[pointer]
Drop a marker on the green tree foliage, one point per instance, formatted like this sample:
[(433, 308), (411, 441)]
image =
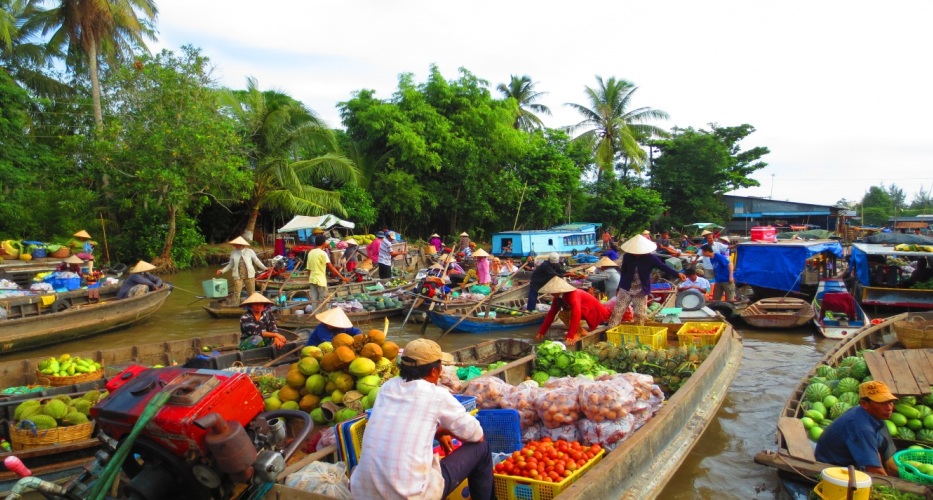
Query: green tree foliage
[(697, 167), (615, 130), (170, 148), (360, 206), (922, 201), (521, 90), (279, 135), (624, 205)]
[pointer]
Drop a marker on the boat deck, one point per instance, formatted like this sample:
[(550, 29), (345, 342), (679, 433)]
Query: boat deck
[(908, 372)]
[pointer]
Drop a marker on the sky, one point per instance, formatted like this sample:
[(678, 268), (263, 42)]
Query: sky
[(839, 91)]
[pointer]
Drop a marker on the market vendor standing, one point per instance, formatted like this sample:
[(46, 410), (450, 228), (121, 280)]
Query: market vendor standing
[(611, 270), (257, 324), (541, 276), (859, 437), (242, 262), (635, 282), (139, 281), (397, 459), (332, 322), (318, 264), (436, 242), (465, 245), (482, 267), (348, 259), (372, 250), (722, 270), (386, 255), (573, 305)]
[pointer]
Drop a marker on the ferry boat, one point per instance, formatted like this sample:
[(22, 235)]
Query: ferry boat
[(564, 239)]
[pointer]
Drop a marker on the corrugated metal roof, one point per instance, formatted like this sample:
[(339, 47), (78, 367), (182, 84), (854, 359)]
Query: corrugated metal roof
[(911, 225)]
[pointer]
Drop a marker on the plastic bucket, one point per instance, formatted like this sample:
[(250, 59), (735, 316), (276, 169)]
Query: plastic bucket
[(835, 484), (215, 288)]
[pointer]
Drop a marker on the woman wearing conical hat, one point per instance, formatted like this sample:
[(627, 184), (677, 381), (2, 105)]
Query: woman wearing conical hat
[(333, 321), (139, 281), (242, 262), (71, 264), (482, 267), (573, 305), (257, 324), (635, 284)]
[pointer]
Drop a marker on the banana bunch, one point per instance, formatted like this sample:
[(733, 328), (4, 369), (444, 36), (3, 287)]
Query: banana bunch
[(66, 366)]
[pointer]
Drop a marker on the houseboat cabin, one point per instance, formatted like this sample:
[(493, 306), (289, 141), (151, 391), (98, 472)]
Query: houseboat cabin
[(566, 238)]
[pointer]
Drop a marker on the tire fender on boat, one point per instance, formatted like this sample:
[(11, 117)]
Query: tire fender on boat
[(724, 308), (118, 269), (694, 298), (59, 306)]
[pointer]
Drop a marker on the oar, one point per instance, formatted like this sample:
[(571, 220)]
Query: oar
[(416, 303), (327, 299), (287, 354), (475, 307)]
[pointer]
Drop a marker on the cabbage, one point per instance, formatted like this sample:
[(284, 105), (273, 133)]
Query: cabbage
[(564, 360), (847, 384), (540, 378), (816, 392)]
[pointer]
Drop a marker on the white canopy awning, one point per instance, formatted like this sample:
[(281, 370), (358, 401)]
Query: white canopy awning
[(304, 222)]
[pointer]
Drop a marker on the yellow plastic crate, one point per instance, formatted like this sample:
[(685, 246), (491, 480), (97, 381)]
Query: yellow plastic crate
[(654, 336), (700, 339), (521, 488)]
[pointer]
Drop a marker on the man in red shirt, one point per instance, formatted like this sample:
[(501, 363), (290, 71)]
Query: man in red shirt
[(578, 304)]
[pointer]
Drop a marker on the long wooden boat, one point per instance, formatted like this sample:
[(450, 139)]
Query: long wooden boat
[(496, 315), (222, 309), (32, 323), (830, 323), (795, 455), (293, 316), (883, 285), (780, 312)]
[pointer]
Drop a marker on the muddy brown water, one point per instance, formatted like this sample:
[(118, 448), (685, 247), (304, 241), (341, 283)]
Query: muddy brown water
[(720, 466)]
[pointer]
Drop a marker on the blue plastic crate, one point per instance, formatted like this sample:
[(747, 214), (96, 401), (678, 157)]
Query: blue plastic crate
[(72, 283), (468, 402), (502, 429)]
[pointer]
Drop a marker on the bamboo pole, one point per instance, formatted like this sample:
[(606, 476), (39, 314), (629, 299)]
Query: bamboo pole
[(104, 231)]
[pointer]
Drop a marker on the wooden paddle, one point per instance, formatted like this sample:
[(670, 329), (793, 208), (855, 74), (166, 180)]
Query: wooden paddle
[(287, 354), (477, 306), (415, 304)]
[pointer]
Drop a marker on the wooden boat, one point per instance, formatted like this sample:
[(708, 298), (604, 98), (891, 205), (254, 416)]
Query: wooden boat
[(222, 309), (495, 315), (880, 284), (794, 455), (293, 317), (32, 323), (783, 312), (841, 318), (774, 269)]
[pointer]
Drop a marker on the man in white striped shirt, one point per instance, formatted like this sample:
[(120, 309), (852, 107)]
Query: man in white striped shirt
[(397, 459)]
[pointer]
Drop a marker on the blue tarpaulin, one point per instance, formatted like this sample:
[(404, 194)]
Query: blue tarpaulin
[(859, 260), (778, 266)]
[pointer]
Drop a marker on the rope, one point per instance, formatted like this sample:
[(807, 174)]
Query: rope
[(110, 473)]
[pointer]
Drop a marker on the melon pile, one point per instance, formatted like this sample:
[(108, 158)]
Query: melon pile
[(346, 372)]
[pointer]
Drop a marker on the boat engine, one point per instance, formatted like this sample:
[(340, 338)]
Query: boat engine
[(208, 436)]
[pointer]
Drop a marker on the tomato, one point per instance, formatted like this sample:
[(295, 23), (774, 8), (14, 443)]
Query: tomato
[(559, 469), (596, 448), (547, 440)]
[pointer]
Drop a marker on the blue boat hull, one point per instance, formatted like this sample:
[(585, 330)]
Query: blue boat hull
[(483, 325)]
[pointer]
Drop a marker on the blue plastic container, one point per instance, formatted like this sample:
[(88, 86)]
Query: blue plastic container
[(502, 429), (72, 283)]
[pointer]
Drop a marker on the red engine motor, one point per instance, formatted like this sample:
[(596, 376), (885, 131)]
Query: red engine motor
[(211, 432)]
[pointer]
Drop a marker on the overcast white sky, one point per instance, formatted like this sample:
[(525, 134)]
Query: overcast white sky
[(840, 91)]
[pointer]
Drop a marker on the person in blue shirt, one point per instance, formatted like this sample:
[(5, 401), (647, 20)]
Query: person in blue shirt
[(722, 270), (333, 321), (612, 253), (859, 436)]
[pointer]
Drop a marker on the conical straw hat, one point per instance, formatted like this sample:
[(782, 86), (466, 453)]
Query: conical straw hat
[(74, 259), (464, 234), (141, 267), (606, 262), (82, 234), (239, 241), (480, 253), (353, 242), (557, 285), (638, 245), (434, 235), (256, 298), (334, 317)]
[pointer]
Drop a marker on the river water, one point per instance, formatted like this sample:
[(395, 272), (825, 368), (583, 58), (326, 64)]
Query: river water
[(720, 466)]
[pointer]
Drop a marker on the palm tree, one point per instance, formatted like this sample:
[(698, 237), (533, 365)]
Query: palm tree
[(614, 129), (278, 132), (86, 30), (522, 90), (20, 55)]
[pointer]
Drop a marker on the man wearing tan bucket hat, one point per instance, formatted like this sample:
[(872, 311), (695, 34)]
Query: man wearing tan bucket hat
[(242, 262), (574, 305), (859, 437)]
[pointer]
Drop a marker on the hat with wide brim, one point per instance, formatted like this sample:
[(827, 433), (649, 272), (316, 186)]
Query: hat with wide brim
[(82, 234), (726, 239), (557, 285), (141, 267), (256, 298), (464, 234), (638, 245), (646, 233), (334, 317), (480, 253), (74, 259), (353, 242), (420, 352), (380, 234), (705, 232), (434, 235), (606, 262), (445, 257), (238, 241)]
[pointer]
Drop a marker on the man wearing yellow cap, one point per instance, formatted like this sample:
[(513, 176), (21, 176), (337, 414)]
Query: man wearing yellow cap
[(397, 458), (860, 437)]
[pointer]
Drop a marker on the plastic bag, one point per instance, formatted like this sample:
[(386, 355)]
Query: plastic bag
[(559, 406), (523, 400), (489, 392), (533, 433), (468, 373), (322, 478), (450, 380), (606, 399), (608, 433), (640, 382), (566, 432), (328, 438)]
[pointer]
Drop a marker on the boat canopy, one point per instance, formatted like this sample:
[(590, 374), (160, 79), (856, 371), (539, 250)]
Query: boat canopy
[(898, 238), (778, 265), (305, 223), (861, 251)]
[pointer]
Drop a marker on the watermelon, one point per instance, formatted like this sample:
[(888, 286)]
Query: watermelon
[(847, 384), (824, 370), (925, 435), (843, 372), (818, 380), (838, 409), (928, 400), (925, 411), (829, 401), (850, 361), (908, 400), (868, 378), (859, 369), (850, 398), (906, 433), (819, 407), (816, 392), (892, 429)]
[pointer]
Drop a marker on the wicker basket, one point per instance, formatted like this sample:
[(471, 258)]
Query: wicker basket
[(22, 439), (74, 379), (61, 253), (915, 333)]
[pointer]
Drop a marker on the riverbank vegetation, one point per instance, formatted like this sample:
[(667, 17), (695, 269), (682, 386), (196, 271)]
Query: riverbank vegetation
[(149, 151)]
